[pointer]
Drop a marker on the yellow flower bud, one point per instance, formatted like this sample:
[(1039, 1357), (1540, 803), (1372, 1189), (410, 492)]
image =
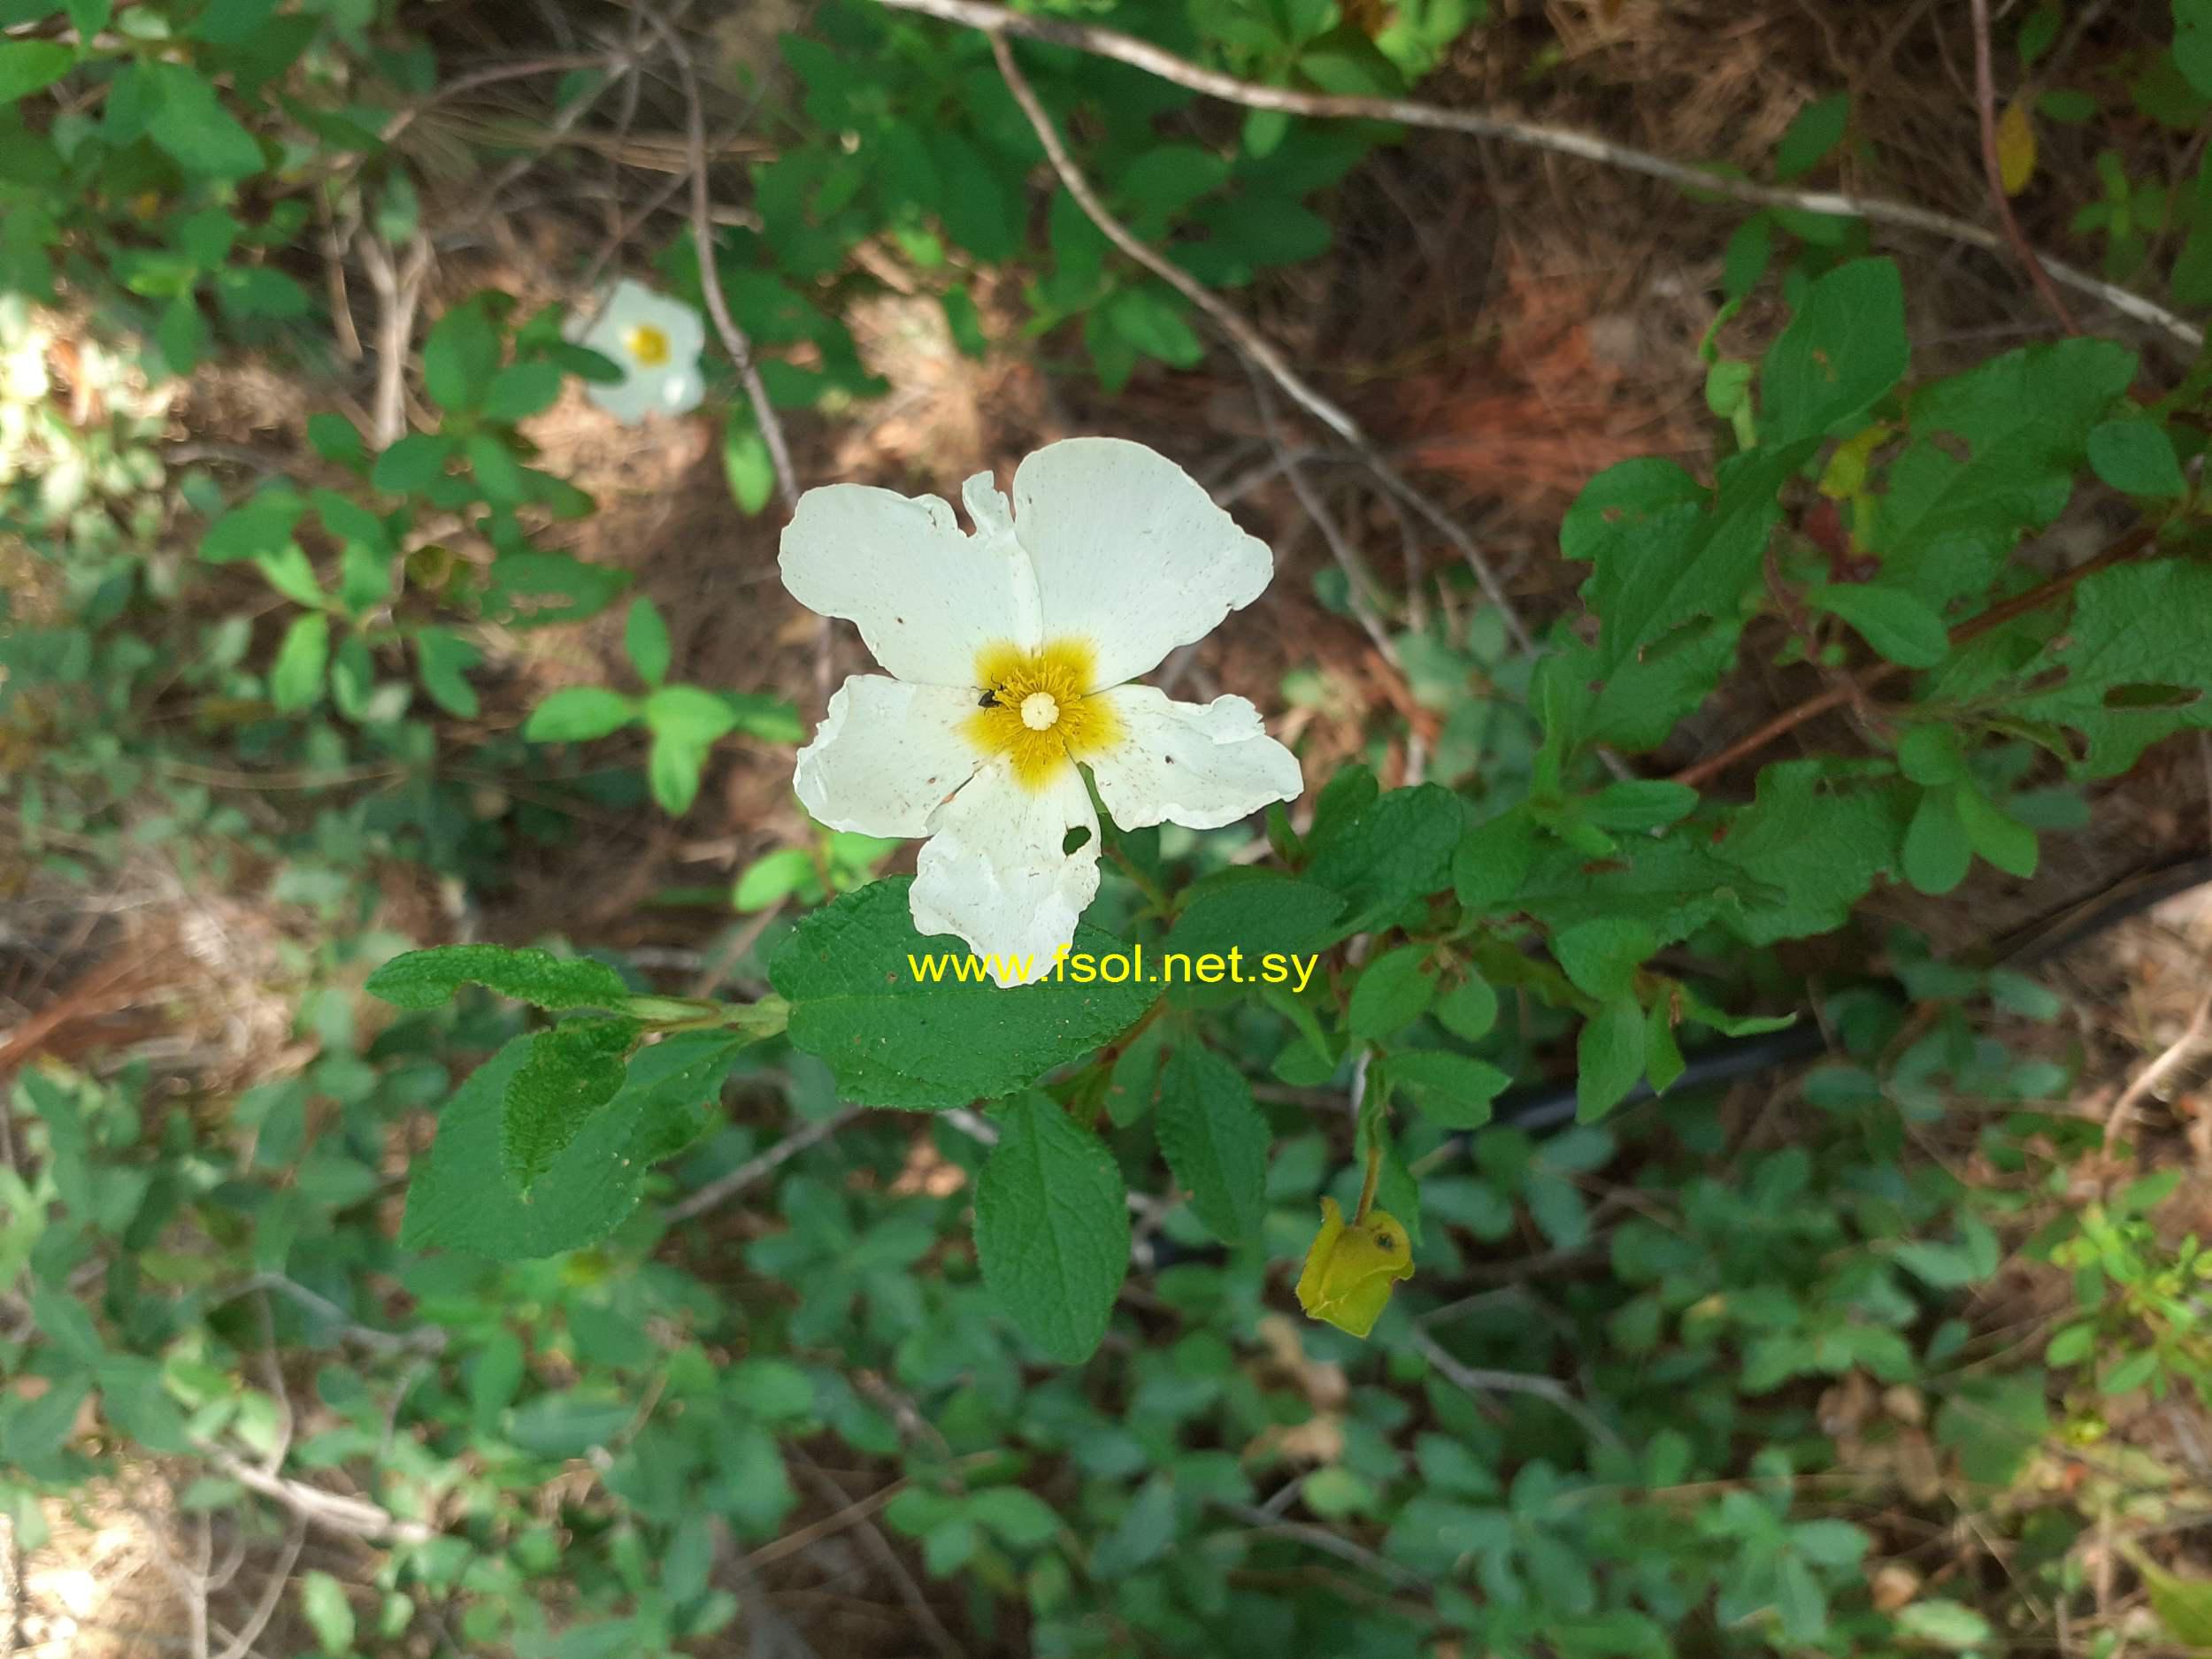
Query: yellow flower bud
[(1351, 1268)]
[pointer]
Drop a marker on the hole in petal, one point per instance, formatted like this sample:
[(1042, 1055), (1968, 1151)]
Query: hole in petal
[(1075, 840)]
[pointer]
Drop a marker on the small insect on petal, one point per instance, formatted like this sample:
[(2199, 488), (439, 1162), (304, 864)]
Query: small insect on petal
[(1352, 1269)]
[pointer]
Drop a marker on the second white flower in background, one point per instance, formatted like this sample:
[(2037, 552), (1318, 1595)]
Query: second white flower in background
[(655, 341), (1009, 652)]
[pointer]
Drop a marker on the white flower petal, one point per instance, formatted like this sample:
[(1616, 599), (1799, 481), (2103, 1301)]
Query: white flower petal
[(925, 595), (1201, 766), (887, 756), (629, 400), (993, 874), (679, 391), (1131, 553)]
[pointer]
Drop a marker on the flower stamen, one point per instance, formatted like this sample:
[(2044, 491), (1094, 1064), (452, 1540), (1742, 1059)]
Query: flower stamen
[(647, 344), (1037, 708)]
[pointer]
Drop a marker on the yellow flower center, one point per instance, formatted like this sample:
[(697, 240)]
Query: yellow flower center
[(1037, 707), (647, 344)]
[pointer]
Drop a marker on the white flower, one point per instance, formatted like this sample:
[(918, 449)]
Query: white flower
[(656, 342), (1008, 651)]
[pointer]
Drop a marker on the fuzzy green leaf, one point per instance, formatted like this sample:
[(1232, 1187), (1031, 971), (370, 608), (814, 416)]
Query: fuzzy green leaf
[(1452, 1089), (1843, 350), (1609, 1058), (1945, 526), (2135, 458), (574, 1069), (2133, 665), (425, 979), (295, 678), (459, 1198), (1052, 1227), (1900, 627), (1392, 991), (1215, 1140), (576, 714), (28, 66), (894, 1040)]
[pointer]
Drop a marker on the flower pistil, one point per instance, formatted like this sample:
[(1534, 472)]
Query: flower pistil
[(1037, 708)]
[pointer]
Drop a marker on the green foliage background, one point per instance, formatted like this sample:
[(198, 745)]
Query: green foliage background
[(570, 1417)]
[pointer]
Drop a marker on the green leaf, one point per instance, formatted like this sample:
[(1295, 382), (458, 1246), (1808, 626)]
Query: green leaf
[(1021, 1517), (1052, 1227), (498, 473), (689, 715), (1900, 627), (263, 524), (1945, 525), (1813, 843), (674, 768), (771, 880), (896, 1040), (1843, 350), (2192, 42), (979, 205), (1451, 1089), (1938, 852), (323, 1604), (425, 979), (1673, 561), (2137, 458), (1469, 1009), (1215, 1141), (28, 66), (1492, 859), (1818, 128), (1391, 992), (2183, 1606), (442, 660), (1383, 855), (459, 1198), (521, 389), (1609, 1058), (181, 334), (295, 678), (1151, 319), (572, 1071), (1940, 1623), (1257, 911), (337, 439), (2004, 842), (461, 356), (2132, 665), (413, 464), (962, 321), (254, 290), (750, 468), (645, 637), (576, 714), (187, 121)]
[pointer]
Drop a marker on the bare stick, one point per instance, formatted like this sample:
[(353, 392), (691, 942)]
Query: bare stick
[(1705, 771), (2183, 1049), (272, 1592), (1477, 1381), (997, 19), (1994, 170), (356, 1517), (754, 1171), (733, 340), (1246, 338), (398, 290)]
